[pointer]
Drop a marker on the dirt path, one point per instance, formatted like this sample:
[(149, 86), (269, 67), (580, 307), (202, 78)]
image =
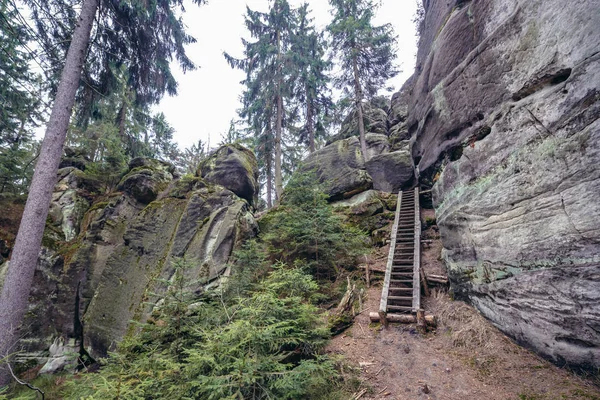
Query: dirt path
[(464, 358)]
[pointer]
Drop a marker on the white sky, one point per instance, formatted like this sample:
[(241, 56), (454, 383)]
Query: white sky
[(208, 96)]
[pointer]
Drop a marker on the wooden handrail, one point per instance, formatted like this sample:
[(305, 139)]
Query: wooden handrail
[(417, 256), (388, 270)]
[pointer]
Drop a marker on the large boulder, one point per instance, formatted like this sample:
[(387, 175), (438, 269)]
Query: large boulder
[(88, 290), (370, 211), (146, 179), (203, 229), (391, 171), (235, 168), (505, 120), (340, 166)]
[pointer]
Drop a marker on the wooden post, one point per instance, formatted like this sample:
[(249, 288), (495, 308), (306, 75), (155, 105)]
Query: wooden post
[(421, 324), (383, 319), (424, 281), (368, 272)]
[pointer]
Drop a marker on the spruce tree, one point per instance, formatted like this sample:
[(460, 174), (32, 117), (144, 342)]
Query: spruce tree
[(145, 35), (311, 86), (20, 104), (366, 53), (141, 36), (267, 64)]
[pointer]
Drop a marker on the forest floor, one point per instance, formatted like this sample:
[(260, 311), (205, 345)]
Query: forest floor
[(466, 357)]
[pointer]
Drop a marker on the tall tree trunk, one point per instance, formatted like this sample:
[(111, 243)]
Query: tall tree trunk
[(359, 110), (269, 167), (19, 277), (309, 122), (278, 129), (279, 126)]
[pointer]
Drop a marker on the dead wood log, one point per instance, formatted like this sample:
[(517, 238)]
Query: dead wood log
[(373, 268), (437, 279), (345, 312), (430, 320)]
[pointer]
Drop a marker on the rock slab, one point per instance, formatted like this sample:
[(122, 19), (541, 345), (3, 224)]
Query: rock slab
[(504, 118)]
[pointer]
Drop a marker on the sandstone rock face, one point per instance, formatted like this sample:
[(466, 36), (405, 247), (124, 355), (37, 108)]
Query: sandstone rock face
[(70, 200), (233, 167), (340, 166), (391, 171), (504, 117), (372, 211), (146, 179), (375, 118), (88, 288), (398, 117)]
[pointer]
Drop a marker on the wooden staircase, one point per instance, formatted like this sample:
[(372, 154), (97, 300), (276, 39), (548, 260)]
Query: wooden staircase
[(401, 291)]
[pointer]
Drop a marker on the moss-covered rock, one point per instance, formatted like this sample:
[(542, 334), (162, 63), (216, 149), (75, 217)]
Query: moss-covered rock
[(340, 166), (391, 172), (204, 228), (146, 179), (364, 204), (112, 257), (235, 168)]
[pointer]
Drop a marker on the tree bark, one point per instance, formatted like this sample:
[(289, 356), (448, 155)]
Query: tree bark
[(310, 125), (278, 129), (19, 277), (269, 181), (359, 110), (279, 126)]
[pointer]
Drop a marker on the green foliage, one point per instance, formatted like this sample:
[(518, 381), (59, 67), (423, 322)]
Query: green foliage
[(365, 52), (221, 346), (286, 100), (188, 160), (311, 80), (20, 104), (305, 229), (248, 266)]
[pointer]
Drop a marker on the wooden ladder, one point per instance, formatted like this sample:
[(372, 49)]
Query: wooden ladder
[(401, 291)]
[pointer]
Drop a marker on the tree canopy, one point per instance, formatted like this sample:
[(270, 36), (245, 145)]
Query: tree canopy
[(365, 53)]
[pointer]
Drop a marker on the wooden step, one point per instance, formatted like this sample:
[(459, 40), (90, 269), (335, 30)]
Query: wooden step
[(402, 289), (400, 298), (401, 281), (399, 308), (401, 274)]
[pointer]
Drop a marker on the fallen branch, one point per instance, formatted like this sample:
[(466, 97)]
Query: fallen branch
[(382, 390), (437, 279), (373, 269), (20, 382), (359, 394)]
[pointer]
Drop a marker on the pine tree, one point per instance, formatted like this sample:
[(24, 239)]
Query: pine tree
[(311, 88), (366, 53)]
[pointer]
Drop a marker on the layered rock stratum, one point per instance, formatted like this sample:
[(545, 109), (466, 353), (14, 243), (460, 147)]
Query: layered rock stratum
[(106, 256), (503, 117)]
